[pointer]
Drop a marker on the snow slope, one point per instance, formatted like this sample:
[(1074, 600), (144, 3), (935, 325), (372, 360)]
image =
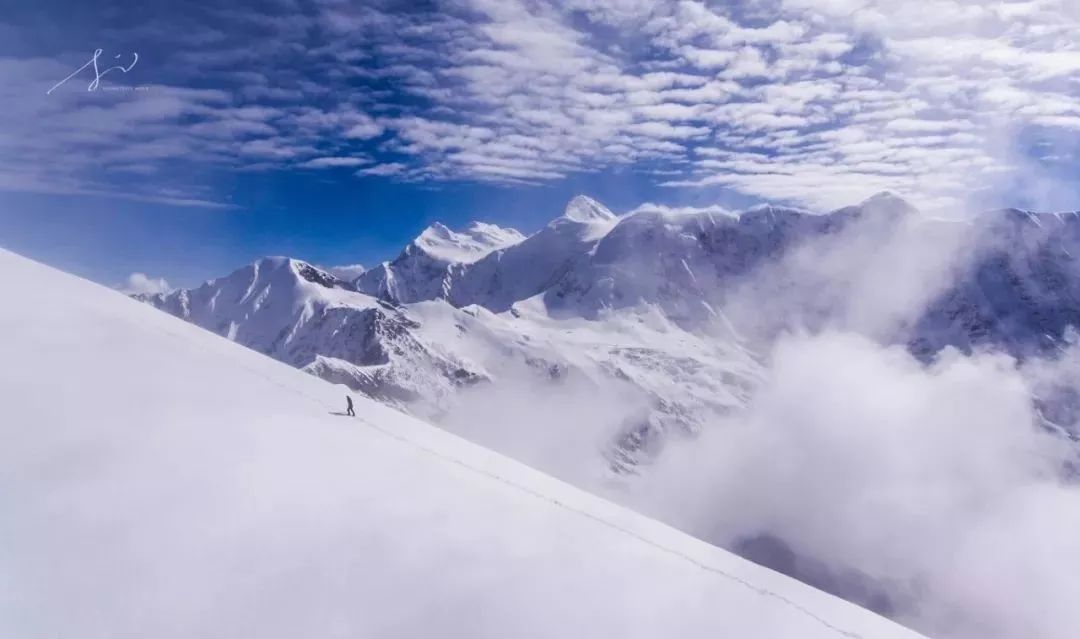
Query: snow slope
[(159, 481)]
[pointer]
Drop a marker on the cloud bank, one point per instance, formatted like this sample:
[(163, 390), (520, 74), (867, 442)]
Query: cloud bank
[(935, 481)]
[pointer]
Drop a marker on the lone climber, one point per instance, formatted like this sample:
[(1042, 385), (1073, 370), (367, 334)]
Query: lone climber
[(348, 409)]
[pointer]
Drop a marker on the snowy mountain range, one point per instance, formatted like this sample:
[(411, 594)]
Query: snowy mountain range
[(487, 265), (422, 356), (672, 312)]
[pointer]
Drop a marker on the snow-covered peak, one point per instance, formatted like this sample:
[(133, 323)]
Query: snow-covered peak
[(465, 247), (887, 203), (493, 234), (256, 300), (586, 210), (288, 271), (584, 220)]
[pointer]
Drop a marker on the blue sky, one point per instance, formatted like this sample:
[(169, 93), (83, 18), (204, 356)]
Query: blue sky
[(335, 131)]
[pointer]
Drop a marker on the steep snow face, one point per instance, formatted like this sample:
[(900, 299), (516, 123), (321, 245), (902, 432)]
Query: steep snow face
[(489, 265), (269, 305), (277, 284), (185, 486), (648, 258), (531, 266), (466, 247), (585, 210), (429, 266), (1008, 279), (305, 317), (683, 262), (413, 276)]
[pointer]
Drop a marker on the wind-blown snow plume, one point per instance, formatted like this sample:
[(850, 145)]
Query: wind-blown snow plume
[(142, 284)]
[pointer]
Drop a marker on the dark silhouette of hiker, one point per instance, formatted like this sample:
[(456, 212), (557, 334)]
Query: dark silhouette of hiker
[(349, 410)]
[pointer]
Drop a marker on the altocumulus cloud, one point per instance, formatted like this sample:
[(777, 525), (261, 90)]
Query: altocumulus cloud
[(816, 102)]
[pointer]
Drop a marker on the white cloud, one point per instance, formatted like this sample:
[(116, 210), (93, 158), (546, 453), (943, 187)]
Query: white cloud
[(332, 162), (391, 168), (141, 284), (364, 129), (347, 272), (937, 483), (933, 481)]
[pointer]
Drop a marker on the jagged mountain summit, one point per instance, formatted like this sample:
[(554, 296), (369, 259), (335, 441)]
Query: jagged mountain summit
[(465, 247), (533, 265), (582, 209), (188, 487), (489, 265), (306, 317), (591, 259), (430, 266)]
